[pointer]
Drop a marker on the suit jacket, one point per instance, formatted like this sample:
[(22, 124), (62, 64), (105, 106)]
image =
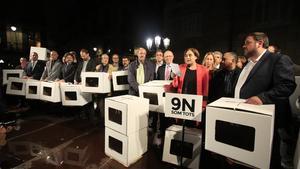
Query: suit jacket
[(37, 72), (272, 80), (160, 75), (149, 73), (90, 67), (202, 81), (218, 83), (68, 72), (52, 72)]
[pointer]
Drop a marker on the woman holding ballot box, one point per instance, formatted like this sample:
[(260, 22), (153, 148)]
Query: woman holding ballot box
[(194, 78)]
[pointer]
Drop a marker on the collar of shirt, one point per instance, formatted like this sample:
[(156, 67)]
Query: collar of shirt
[(159, 63), (257, 59)]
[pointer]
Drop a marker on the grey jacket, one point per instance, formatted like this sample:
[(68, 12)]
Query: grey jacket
[(149, 72), (51, 74)]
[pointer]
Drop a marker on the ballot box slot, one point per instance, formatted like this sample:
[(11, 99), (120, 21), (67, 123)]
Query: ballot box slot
[(115, 115), (71, 95), (236, 135), (153, 97), (32, 89), (122, 80), (16, 86), (92, 81), (47, 91), (176, 147), (115, 145)]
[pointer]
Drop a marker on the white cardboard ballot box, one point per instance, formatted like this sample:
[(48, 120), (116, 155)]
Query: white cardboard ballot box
[(33, 89), (120, 81), (297, 154), (16, 86), (126, 114), (42, 52), (243, 132), (125, 149), (154, 91), (50, 91), (7, 73), (95, 82), (71, 95), (191, 146)]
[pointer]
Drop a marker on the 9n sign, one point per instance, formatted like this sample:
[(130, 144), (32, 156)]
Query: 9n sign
[(183, 106)]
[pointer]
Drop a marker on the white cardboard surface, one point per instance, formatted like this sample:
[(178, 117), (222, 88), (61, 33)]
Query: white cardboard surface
[(13, 85), (134, 113), (31, 85), (155, 87), (104, 84), (18, 73), (234, 111), (116, 86), (42, 52), (191, 135), (81, 98), (133, 146), (54, 96)]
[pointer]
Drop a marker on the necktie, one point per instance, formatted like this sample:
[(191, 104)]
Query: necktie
[(66, 67), (32, 66), (51, 65), (140, 74), (168, 71)]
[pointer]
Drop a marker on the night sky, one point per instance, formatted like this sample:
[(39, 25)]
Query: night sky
[(71, 25)]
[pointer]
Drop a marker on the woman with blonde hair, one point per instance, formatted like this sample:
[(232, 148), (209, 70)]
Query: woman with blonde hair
[(209, 61)]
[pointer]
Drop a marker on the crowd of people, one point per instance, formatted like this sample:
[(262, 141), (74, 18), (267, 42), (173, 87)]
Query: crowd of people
[(262, 76)]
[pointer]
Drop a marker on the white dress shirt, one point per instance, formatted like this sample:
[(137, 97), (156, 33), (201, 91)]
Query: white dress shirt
[(244, 75), (174, 69), (158, 65), (33, 63)]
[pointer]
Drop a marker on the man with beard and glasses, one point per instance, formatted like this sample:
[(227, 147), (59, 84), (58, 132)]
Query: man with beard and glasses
[(268, 78)]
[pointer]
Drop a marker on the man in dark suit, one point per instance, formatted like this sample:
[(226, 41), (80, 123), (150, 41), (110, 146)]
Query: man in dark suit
[(35, 67), (164, 72), (267, 79), (224, 79), (172, 68), (87, 65), (53, 68), (140, 71), (68, 69)]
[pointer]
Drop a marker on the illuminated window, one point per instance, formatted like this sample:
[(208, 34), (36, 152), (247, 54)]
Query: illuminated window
[(14, 40)]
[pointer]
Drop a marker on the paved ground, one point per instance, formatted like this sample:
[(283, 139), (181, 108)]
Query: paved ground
[(53, 132)]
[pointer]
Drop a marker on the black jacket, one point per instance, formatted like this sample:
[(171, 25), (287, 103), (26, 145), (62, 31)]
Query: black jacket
[(90, 67), (68, 72), (223, 83), (38, 70)]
